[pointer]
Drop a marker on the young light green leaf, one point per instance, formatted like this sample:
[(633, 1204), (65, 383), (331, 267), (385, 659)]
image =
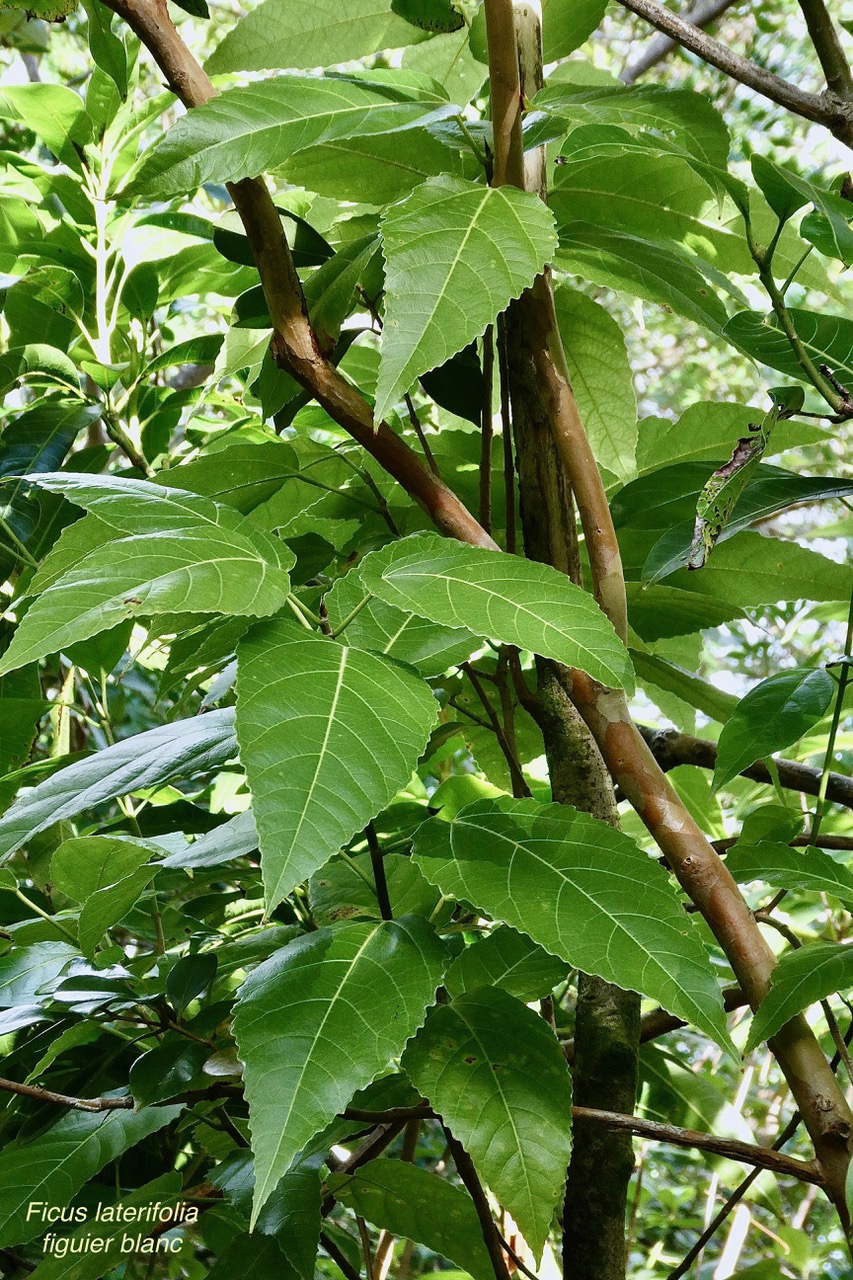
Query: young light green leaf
[(244, 131), (601, 378), (54, 1166), (801, 978), (449, 239), (327, 736), (413, 1204), (289, 33), (582, 890), (500, 596), (810, 870), (771, 717), (319, 1020), (178, 750), (494, 1071), (506, 959)]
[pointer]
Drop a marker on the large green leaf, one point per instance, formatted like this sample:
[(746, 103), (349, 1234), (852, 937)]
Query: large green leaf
[(156, 551), (801, 978), (501, 596), (449, 240), (413, 1204), (494, 1071), (610, 180), (770, 717), (751, 570), (246, 130), (289, 33), (54, 1166), (827, 339), (601, 377), (661, 274), (709, 430), (319, 1020), (506, 959), (327, 736), (669, 115), (810, 870), (582, 890), (178, 750)]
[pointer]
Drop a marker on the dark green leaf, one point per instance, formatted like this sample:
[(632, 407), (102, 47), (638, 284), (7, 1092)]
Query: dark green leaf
[(772, 716)]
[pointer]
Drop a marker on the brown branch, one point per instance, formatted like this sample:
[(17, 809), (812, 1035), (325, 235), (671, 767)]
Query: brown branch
[(294, 346), (700, 14), (64, 1100), (674, 1135), (606, 713), (671, 748), (827, 46), (821, 108), (468, 1174), (340, 1259), (730, 1148)]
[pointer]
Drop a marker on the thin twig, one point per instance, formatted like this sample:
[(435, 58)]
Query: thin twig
[(419, 432), (468, 1174), (506, 439), (64, 1100), (484, 510), (827, 46), (700, 14), (519, 785), (826, 109), (379, 877)]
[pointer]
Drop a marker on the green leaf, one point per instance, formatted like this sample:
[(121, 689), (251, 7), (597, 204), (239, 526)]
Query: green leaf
[(750, 570), (410, 1203), (506, 959), (327, 735), (320, 1019), (786, 192), (52, 111), (809, 870), (178, 750), (106, 874), (252, 1258), (166, 1070), (26, 973), (288, 33), (827, 339), (232, 839), (667, 116), (388, 630), (610, 180), (246, 130), (187, 980), (169, 552), (84, 865), (772, 716), (452, 238), (696, 692), (107, 48), (708, 430), (429, 15), (601, 378), (801, 978), (54, 1166), (340, 893), (494, 1071), (661, 274), (492, 593), (584, 892)]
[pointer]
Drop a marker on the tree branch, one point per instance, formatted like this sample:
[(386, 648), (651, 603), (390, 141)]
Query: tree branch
[(491, 1235), (700, 14), (827, 46), (294, 345), (822, 108), (64, 1100), (672, 748), (730, 1148)]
